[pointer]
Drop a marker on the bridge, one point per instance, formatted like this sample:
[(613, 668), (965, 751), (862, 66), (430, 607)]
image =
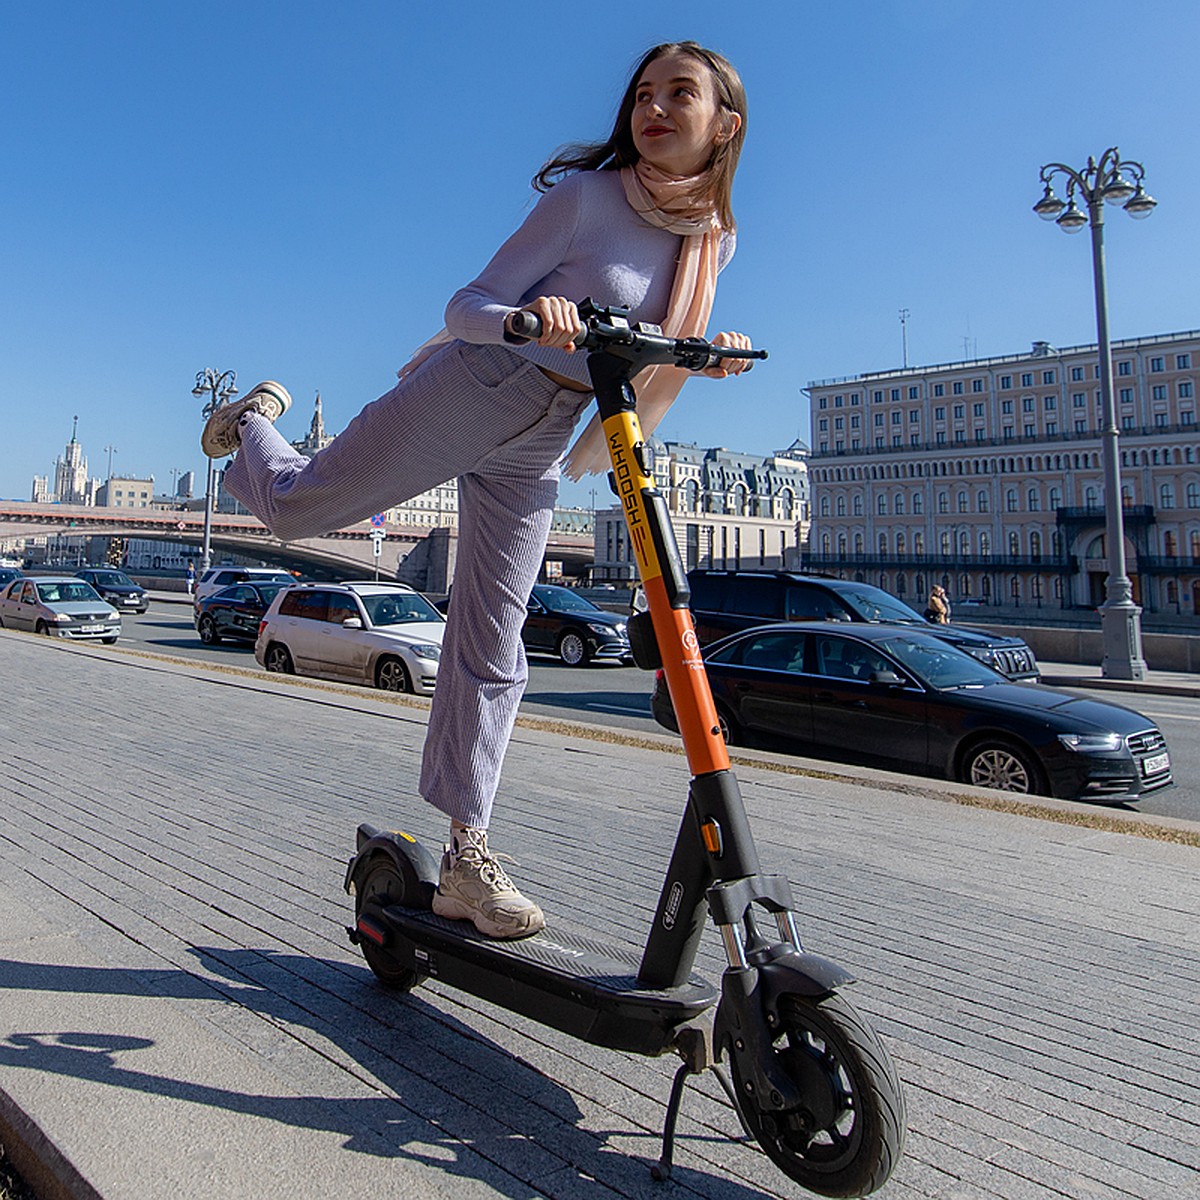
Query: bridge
[(418, 555)]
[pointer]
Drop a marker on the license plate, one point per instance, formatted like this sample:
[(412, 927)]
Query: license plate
[(1152, 766), (129, 600), (91, 628)]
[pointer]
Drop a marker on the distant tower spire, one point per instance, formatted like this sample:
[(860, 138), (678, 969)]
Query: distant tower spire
[(316, 431), (74, 427)]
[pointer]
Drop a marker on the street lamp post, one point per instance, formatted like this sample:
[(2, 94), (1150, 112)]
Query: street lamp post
[(220, 389), (1108, 180)]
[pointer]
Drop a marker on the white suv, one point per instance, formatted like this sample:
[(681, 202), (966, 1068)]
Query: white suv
[(385, 634), (216, 578)]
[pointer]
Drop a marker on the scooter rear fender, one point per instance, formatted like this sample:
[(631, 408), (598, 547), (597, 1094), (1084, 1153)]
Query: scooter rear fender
[(409, 855)]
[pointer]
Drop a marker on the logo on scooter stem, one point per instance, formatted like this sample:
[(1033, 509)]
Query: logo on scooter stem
[(674, 900)]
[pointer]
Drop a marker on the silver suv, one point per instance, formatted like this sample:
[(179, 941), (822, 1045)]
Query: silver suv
[(381, 634)]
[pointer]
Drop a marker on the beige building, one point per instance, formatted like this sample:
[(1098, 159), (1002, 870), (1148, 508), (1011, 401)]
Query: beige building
[(123, 491), (727, 509), (987, 476)]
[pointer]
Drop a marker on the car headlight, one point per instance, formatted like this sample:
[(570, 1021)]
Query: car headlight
[(983, 653), (602, 630), (1090, 743), (66, 618), (430, 651)]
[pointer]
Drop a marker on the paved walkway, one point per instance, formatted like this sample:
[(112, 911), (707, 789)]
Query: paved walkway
[(181, 1014)]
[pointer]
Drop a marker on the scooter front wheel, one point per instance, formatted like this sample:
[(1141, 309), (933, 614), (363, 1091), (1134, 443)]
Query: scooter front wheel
[(845, 1139), (382, 884)]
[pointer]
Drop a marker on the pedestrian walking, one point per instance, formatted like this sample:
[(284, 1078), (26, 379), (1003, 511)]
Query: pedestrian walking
[(642, 220), (937, 610), (191, 578)]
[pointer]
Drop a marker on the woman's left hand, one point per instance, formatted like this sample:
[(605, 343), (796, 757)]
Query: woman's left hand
[(730, 366)]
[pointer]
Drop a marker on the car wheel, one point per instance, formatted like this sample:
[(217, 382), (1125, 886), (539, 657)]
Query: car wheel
[(572, 649), (110, 641), (730, 730), (279, 660), (392, 676), (42, 628), (208, 631), (1004, 765)]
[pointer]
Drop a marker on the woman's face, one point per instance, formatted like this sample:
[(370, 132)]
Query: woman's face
[(676, 119)]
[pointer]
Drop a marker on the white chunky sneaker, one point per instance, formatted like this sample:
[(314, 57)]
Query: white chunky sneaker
[(474, 887), (222, 433)]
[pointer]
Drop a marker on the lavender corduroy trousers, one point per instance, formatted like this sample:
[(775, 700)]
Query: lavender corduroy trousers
[(491, 419)]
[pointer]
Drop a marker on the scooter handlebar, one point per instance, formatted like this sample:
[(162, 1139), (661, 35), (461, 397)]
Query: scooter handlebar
[(695, 354)]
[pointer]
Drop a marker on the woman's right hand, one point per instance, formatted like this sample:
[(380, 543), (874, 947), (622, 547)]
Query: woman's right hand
[(560, 321)]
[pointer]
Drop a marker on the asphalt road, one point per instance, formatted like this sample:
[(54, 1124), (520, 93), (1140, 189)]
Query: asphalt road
[(611, 694)]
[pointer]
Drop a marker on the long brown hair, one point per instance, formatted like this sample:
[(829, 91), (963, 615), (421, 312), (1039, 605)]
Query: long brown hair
[(715, 181)]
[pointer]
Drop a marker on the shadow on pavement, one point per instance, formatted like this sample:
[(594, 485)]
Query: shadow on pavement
[(440, 1093)]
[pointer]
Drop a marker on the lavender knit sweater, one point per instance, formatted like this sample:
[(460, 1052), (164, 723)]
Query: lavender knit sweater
[(582, 239)]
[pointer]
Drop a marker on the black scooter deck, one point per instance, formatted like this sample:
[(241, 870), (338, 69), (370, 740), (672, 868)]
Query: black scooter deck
[(571, 983)]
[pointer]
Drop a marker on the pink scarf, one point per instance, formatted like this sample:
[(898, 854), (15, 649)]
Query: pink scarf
[(655, 197)]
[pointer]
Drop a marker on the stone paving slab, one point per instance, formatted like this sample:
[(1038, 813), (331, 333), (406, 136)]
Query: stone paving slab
[(180, 1009)]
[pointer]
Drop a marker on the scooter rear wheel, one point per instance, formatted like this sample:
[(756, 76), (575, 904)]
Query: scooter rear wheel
[(846, 1139), (381, 884)]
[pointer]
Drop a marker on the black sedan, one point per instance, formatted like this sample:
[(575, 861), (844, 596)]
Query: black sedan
[(565, 623), (116, 588), (234, 612), (907, 699)]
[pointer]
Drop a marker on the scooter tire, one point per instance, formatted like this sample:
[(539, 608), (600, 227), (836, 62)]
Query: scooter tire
[(847, 1138), (381, 884)]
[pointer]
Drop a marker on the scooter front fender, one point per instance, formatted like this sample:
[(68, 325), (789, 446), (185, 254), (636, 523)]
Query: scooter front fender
[(748, 1017)]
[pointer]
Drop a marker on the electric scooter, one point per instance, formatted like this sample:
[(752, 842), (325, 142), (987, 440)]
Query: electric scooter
[(811, 1082)]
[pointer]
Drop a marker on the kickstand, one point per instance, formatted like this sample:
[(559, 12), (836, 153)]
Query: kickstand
[(661, 1170)]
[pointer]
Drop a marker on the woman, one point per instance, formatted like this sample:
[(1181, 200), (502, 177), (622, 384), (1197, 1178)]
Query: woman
[(641, 220)]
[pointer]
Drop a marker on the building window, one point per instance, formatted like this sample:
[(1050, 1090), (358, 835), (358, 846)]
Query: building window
[(1051, 428), (858, 504), (959, 412), (1030, 431), (1076, 374), (1158, 391), (918, 503), (1157, 364), (881, 505), (1014, 543), (914, 393), (1010, 500), (1005, 382), (1047, 377), (981, 501), (1006, 407), (1049, 403), (1125, 367), (957, 387), (1185, 389), (1033, 501), (943, 502), (939, 389), (1193, 495), (1166, 495), (977, 385), (1183, 362)]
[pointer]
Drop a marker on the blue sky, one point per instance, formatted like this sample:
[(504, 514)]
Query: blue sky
[(292, 190)]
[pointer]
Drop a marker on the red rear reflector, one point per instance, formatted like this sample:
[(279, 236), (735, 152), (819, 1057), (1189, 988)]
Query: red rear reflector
[(369, 929)]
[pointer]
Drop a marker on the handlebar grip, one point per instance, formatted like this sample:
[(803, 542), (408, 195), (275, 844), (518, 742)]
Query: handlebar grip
[(523, 324)]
